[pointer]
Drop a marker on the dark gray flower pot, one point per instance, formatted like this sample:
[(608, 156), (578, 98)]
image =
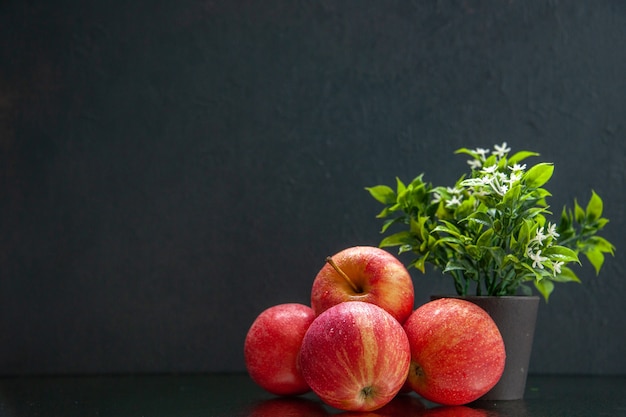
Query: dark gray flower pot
[(515, 317)]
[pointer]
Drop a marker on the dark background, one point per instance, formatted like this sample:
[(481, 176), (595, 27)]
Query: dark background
[(172, 168)]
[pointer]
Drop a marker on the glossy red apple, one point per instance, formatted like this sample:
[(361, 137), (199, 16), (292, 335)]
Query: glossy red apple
[(364, 273), (272, 345), (355, 356), (457, 352)]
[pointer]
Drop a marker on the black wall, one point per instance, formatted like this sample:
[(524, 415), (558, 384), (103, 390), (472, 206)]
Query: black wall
[(171, 168)]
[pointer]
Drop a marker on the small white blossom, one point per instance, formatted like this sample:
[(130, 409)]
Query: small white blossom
[(454, 190), (537, 258), (482, 152), (501, 150), (552, 230), (515, 176), (539, 237), (497, 186), (501, 176), (556, 266), (474, 163), (517, 167), (455, 201), (436, 197), (489, 170)]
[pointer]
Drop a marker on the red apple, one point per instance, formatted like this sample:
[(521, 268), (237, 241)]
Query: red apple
[(272, 345), (364, 273), (457, 352), (355, 356)]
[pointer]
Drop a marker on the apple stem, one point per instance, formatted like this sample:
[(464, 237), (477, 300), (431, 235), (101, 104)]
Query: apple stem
[(343, 274)]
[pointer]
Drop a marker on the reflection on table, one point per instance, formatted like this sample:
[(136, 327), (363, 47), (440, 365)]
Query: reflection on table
[(235, 395)]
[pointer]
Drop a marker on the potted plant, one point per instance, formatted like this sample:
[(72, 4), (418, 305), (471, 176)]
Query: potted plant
[(492, 233)]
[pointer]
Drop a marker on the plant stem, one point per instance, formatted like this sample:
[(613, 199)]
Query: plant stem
[(343, 275)]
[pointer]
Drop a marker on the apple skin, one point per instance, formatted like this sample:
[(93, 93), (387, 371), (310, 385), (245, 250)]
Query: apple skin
[(272, 345), (457, 351), (355, 356), (380, 277)]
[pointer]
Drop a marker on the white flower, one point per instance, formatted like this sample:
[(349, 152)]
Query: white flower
[(502, 150), (515, 176), (436, 197), (517, 167), (539, 237), (455, 201), (502, 176), (489, 170), (537, 258), (482, 152), (556, 266), (474, 163), (552, 230), (454, 190), (497, 186)]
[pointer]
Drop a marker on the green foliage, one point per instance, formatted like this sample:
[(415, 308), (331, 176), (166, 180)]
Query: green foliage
[(490, 230)]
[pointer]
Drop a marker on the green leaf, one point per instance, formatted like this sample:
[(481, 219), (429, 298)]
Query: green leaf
[(601, 222), (450, 228), (523, 237), (499, 256), (390, 222), (420, 263), (512, 196), (566, 220), (601, 244), (538, 175), (566, 275), (579, 213), (384, 213), (473, 251), (540, 194), (484, 240), (520, 156), (405, 248), (454, 265), (450, 240), (400, 187), (466, 151), (560, 253), (382, 194), (594, 207), (452, 232), (397, 239), (545, 287), (596, 258), (481, 217), (418, 227), (529, 269)]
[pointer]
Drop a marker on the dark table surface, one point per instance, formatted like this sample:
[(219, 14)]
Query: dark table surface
[(235, 395)]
